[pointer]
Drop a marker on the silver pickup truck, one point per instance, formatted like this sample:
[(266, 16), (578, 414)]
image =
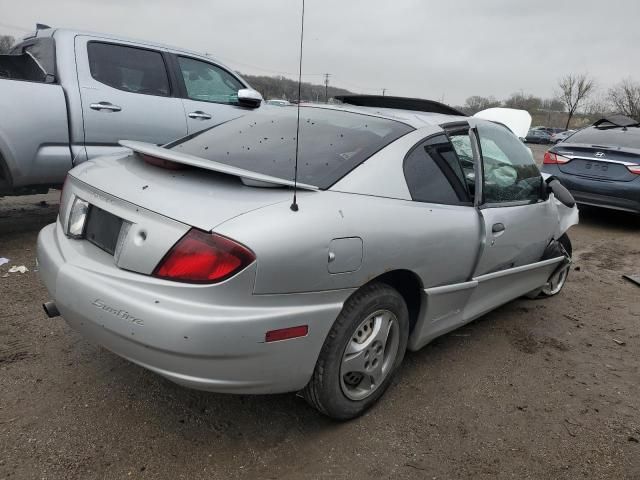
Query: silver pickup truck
[(68, 96)]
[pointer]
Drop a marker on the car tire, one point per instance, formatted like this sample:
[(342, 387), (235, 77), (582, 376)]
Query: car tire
[(356, 342), (559, 277)]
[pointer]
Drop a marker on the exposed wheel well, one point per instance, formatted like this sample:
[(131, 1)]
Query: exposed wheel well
[(409, 286)]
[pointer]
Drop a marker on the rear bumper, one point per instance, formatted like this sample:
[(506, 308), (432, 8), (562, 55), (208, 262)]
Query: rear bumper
[(600, 193), (200, 336)]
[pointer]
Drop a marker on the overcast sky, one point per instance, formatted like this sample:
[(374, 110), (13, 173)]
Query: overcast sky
[(432, 49)]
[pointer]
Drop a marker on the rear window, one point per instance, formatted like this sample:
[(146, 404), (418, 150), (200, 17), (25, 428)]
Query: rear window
[(615, 137), (332, 142)]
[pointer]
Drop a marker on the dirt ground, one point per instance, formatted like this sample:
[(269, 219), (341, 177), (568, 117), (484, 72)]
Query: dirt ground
[(545, 389)]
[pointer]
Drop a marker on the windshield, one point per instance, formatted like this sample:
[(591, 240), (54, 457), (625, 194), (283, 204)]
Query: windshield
[(332, 142), (615, 137)]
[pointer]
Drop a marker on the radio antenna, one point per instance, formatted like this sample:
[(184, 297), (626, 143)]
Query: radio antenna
[(294, 205)]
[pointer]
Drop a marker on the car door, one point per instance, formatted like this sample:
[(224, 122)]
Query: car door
[(126, 94), (517, 216), (210, 92), (442, 209)]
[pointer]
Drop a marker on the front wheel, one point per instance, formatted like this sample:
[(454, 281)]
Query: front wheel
[(361, 353), (559, 277)]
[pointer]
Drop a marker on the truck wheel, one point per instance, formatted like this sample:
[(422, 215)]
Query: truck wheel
[(361, 354)]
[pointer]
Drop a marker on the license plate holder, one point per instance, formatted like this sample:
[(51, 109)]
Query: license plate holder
[(103, 229)]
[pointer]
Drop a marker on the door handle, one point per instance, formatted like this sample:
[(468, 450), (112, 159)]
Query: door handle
[(497, 228), (100, 106), (199, 114)]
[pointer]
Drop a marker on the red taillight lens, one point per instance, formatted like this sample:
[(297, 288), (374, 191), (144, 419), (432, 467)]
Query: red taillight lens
[(551, 158), (201, 257), (634, 169)]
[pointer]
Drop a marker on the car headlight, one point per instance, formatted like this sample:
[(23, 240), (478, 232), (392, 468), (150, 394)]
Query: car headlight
[(77, 218)]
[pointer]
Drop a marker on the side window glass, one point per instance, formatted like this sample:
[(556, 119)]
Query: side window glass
[(208, 83), (462, 147), (131, 69), (510, 173), (430, 176)]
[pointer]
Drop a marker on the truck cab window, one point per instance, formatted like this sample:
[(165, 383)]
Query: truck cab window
[(134, 70), (208, 83)]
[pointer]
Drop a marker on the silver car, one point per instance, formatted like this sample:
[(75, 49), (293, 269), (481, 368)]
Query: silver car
[(195, 261)]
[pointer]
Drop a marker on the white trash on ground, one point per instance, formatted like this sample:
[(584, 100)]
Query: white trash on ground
[(16, 269)]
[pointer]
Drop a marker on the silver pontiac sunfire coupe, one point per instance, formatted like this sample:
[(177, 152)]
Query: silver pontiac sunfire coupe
[(191, 260)]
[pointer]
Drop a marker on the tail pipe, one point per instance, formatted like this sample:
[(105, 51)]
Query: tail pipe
[(50, 309)]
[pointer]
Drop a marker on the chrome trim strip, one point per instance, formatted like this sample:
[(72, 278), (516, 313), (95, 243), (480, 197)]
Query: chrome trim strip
[(591, 159)]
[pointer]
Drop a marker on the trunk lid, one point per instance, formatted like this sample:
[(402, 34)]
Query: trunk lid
[(601, 162), (195, 197)]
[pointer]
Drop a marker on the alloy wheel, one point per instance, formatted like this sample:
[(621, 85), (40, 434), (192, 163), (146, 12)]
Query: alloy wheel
[(369, 355)]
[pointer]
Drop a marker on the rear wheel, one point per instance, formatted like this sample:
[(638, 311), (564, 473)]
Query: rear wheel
[(361, 353)]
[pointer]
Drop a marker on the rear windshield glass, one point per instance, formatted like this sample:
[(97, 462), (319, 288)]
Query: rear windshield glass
[(332, 142), (614, 137)]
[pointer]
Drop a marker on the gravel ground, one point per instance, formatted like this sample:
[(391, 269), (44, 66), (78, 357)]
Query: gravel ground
[(535, 389)]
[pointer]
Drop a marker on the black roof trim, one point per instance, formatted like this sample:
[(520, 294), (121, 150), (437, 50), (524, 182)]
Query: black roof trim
[(616, 121), (400, 103)]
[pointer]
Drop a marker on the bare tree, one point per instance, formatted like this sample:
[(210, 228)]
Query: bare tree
[(6, 42), (574, 90), (552, 104), (523, 101), (598, 105), (476, 103), (625, 97)]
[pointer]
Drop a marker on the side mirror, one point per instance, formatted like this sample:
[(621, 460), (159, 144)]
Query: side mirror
[(248, 97), (560, 192)]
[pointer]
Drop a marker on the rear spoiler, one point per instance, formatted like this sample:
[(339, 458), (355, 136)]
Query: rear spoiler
[(616, 121), (249, 178)]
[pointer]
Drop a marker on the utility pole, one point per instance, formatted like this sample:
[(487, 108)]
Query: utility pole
[(384, 90), (326, 87)]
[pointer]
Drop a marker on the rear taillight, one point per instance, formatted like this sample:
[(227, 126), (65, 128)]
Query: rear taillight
[(77, 218), (551, 158), (634, 169), (201, 257)]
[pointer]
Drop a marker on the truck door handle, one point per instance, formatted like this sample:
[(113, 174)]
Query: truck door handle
[(497, 228), (200, 115), (100, 106)]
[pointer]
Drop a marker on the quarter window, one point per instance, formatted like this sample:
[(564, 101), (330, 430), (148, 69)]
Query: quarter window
[(131, 69), (433, 173), (510, 174), (208, 83)]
